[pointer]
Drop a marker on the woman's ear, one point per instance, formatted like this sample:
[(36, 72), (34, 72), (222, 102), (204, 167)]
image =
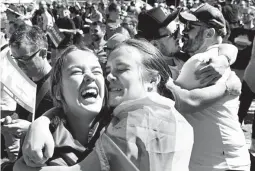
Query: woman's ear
[(152, 83), (57, 91)]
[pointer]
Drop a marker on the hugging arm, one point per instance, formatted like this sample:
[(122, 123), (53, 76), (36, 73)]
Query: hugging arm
[(88, 164), (38, 145), (217, 65), (190, 101)]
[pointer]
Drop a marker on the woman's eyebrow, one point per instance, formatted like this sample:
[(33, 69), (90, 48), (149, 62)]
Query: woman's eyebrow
[(74, 66), (118, 63), (96, 67)]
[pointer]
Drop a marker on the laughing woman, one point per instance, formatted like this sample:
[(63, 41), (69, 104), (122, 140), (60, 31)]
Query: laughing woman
[(145, 132)]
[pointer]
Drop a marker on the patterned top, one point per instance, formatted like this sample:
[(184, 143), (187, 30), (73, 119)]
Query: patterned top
[(146, 134)]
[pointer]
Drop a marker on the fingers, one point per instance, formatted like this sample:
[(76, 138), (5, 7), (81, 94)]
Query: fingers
[(209, 79), (8, 120), (49, 150), (202, 70), (169, 83), (31, 162)]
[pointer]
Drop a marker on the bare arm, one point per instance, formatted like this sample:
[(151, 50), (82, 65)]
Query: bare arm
[(20, 165), (190, 101), (38, 145), (74, 31), (90, 163)]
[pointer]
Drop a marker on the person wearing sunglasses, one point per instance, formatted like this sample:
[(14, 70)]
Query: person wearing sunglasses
[(219, 142), (163, 31), (28, 46)]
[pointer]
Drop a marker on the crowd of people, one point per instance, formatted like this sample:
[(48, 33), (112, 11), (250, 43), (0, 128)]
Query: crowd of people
[(131, 86)]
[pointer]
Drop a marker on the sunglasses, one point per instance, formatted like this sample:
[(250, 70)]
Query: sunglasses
[(26, 58), (173, 35)]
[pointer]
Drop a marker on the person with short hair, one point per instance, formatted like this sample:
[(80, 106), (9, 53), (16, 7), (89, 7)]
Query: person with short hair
[(130, 23), (219, 142), (95, 14), (113, 20), (67, 27), (28, 47), (97, 34), (163, 31), (13, 26)]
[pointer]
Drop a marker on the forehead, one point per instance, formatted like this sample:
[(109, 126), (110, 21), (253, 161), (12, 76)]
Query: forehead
[(125, 54), (81, 58), (22, 50)]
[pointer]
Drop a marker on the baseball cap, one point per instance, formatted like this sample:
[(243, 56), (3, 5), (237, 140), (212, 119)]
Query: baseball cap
[(149, 22), (206, 14), (115, 40)]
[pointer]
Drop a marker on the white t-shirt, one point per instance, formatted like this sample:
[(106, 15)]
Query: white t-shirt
[(219, 143), (187, 78)]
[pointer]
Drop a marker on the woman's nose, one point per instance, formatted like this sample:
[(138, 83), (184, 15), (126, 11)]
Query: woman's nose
[(89, 77), (110, 77)]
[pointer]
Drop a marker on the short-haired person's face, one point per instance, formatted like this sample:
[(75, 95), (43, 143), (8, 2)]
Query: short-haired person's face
[(169, 44), (243, 4), (96, 32), (66, 13), (124, 73), (248, 16), (192, 37), (28, 59), (82, 83), (190, 3)]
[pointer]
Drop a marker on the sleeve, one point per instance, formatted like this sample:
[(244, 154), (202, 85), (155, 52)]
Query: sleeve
[(229, 51)]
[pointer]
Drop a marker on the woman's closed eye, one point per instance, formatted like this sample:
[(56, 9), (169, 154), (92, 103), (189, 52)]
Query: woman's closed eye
[(77, 72), (121, 69), (97, 71)]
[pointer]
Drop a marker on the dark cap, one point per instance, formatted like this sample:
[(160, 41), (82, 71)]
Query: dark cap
[(206, 14), (149, 22)]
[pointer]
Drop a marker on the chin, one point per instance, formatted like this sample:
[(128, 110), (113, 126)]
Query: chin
[(93, 108), (114, 102)]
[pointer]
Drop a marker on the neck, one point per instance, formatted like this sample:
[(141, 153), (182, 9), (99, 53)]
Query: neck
[(79, 127), (249, 25), (98, 43), (42, 71)]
